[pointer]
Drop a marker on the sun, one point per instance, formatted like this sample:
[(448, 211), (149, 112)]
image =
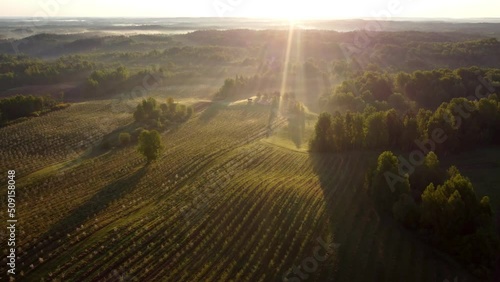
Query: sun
[(306, 10), (294, 15), (292, 11)]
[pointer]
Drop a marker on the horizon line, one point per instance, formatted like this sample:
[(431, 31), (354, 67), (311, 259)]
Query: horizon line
[(255, 17)]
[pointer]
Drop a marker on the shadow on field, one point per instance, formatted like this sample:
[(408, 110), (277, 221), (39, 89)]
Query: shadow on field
[(347, 204), (98, 202), (246, 110), (211, 112), (335, 170), (110, 140)]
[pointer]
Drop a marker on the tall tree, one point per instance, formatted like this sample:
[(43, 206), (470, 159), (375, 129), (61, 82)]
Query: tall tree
[(377, 135), (394, 128), (387, 184), (322, 139)]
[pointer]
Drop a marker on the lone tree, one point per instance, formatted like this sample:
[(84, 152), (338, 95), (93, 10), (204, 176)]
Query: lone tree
[(150, 144)]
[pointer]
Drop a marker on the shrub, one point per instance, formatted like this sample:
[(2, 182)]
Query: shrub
[(137, 132), (124, 138)]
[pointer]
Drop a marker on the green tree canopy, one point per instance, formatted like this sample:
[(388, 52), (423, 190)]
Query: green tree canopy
[(150, 144), (321, 142)]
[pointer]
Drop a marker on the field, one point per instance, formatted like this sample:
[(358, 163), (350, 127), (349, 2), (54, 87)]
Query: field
[(223, 203)]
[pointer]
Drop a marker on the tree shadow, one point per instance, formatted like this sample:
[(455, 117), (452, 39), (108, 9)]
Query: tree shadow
[(112, 139), (98, 202), (342, 184), (295, 137), (212, 111), (79, 215), (246, 110), (322, 167)]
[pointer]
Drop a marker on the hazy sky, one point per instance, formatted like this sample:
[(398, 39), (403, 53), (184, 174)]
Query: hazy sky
[(252, 8)]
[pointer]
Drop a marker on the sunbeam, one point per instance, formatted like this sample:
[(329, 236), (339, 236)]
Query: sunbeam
[(287, 63)]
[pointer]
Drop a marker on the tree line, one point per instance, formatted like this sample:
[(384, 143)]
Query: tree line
[(24, 106), (22, 70), (391, 50), (101, 81), (108, 81), (461, 125), (240, 86), (409, 91)]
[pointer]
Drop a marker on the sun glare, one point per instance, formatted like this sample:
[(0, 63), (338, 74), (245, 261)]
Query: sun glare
[(299, 10), (294, 14)]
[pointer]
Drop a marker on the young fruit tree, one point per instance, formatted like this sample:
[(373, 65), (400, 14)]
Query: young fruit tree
[(150, 144)]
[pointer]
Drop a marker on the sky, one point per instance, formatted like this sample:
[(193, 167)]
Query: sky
[(286, 9)]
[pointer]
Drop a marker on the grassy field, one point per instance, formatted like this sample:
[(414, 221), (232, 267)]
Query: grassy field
[(223, 203)]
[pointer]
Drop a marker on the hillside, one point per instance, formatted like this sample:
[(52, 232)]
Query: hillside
[(222, 203)]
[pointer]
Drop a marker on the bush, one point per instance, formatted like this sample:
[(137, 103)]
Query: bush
[(137, 133), (124, 138)]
